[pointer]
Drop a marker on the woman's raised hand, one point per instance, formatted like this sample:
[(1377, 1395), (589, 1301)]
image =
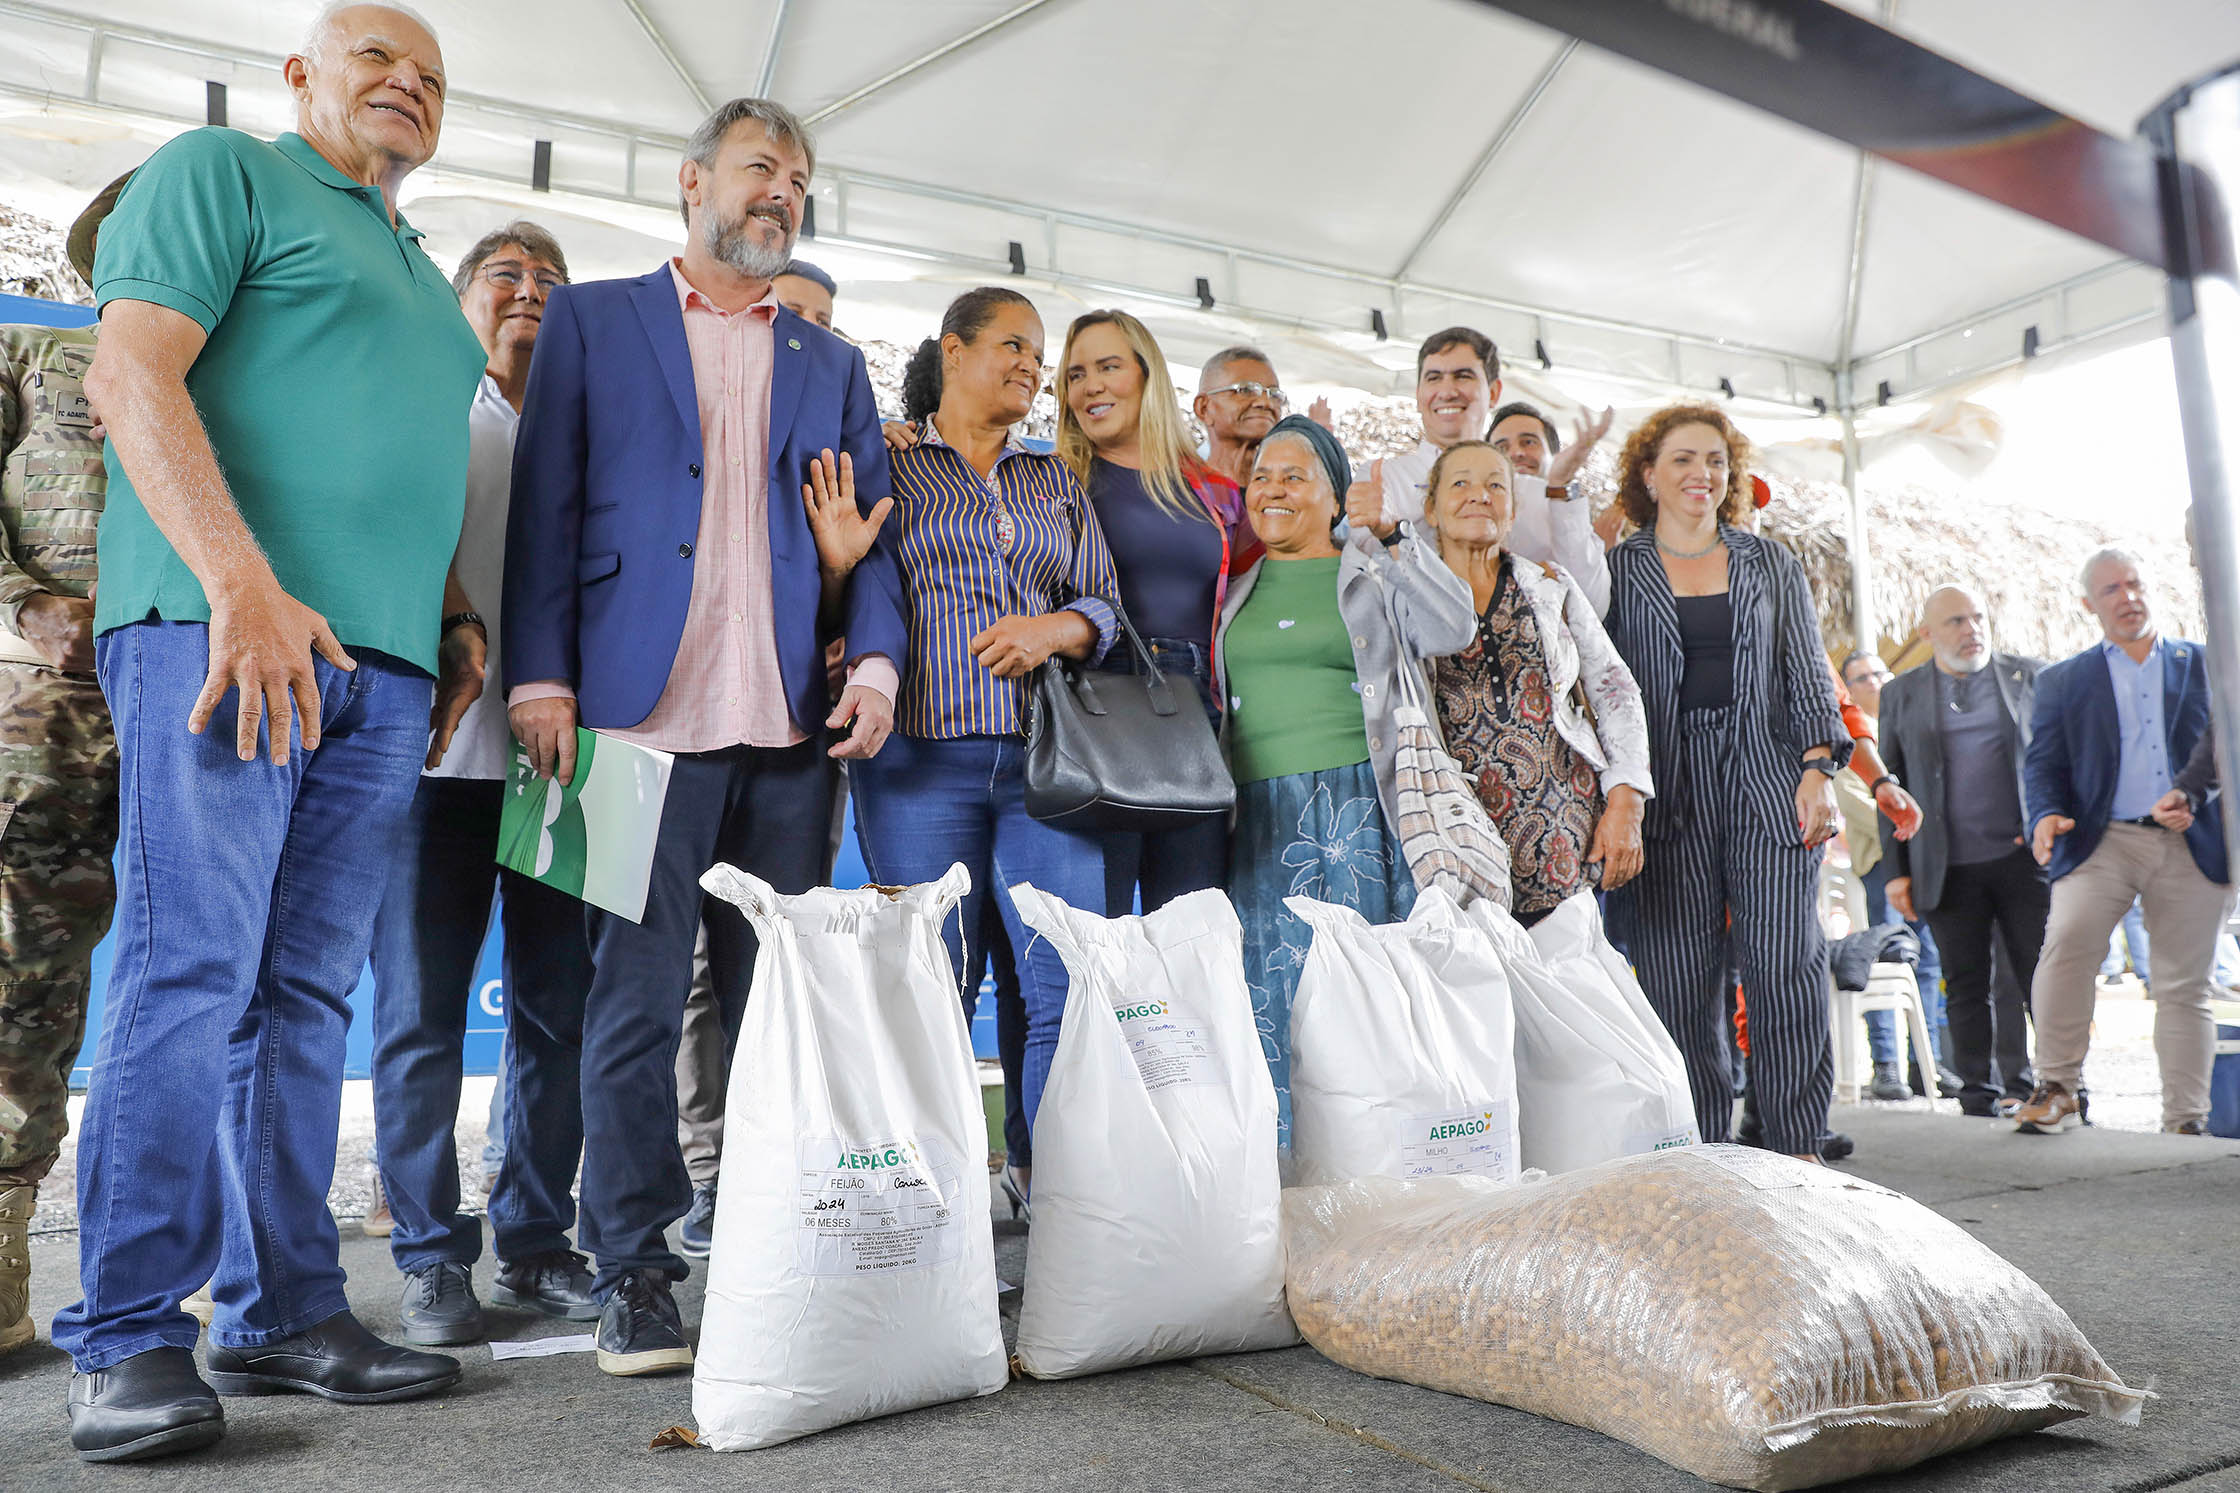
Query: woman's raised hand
[(843, 533)]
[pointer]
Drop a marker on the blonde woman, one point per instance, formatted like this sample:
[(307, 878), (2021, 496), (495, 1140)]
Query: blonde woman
[(1177, 532)]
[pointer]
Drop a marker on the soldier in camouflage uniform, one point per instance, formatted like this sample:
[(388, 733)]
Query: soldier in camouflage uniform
[(58, 767)]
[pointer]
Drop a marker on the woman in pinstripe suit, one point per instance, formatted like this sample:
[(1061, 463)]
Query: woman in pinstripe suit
[(1744, 737)]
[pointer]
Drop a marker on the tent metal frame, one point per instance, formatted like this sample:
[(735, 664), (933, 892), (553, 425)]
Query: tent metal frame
[(1494, 147), (1803, 378), (927, 59), (660, 41)]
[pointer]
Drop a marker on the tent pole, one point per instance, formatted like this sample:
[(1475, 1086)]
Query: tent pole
[(2199, 127), (1864, 634)]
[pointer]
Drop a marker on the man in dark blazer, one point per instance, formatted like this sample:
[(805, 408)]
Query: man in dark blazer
[(1956, 732), (2113, 727), (689, 530)]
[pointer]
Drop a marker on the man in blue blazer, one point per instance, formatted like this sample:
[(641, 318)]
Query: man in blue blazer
[(688, 531), (2111, 729)]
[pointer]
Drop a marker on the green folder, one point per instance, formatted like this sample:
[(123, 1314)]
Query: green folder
[(594, 838)]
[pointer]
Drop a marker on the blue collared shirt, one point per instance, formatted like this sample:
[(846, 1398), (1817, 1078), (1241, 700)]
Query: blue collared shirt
[(2143, 769), (960, 580)]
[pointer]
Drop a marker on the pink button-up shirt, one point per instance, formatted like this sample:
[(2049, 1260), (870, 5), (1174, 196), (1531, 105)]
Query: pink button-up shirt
[(725, 688)]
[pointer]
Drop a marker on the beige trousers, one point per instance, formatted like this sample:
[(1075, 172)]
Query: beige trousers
[(2185, 911), (700, 1075)]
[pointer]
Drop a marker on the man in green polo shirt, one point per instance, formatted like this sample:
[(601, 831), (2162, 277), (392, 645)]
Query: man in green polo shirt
[(285, 379)]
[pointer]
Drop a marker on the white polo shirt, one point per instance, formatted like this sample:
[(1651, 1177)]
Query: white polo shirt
[(1548, 530), (480, 747)]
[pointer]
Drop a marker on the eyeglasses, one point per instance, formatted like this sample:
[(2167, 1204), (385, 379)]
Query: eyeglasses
[(1273, 393), (506, 277)]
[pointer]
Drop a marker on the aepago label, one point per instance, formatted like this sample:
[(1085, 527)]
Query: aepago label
[(1641, 1142), (1475, 1141), (894, 1154), (873, 1208), (1168, 1045)]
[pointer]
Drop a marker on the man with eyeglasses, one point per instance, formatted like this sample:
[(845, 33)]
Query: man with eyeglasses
[(428, 936), (1238, 403), (1458, 377)]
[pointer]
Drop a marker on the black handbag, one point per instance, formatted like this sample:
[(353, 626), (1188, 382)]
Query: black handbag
[(1112, 751)]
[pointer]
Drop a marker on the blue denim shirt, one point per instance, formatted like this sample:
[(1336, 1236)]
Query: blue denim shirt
[(2143, 770)]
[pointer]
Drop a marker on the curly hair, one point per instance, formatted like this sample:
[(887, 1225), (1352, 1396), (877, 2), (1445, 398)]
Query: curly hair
[(1647, 441)]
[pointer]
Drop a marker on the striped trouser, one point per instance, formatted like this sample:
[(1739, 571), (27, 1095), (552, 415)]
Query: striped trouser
[(1688, 889)]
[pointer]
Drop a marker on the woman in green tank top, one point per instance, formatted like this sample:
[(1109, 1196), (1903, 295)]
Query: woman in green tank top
[(1309, 647)]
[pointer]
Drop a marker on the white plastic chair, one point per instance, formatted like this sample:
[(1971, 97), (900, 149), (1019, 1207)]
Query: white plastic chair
[(1890, 987)]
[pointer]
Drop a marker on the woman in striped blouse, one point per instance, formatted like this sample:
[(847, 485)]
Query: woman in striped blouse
[(1002, 566)]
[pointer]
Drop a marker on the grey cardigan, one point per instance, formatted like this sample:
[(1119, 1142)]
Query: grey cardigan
[(1401, 605)]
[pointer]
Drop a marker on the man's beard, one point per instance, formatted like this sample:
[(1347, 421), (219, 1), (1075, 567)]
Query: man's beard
[(1955, 663), (730, 241)]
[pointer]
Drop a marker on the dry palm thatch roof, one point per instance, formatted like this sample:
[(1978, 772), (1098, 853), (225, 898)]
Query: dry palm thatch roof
[(2022, 562), (34, 262)]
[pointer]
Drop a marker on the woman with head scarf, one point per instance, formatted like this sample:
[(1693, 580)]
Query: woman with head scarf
[(1307, 657), (1177, 531), (1538, 710), (1002, 566)]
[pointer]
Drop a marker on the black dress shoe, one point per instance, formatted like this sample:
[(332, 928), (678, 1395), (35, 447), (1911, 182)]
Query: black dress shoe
[(1835, 1145), (697, 1234), (555, 1283), (338, 1360), (152, 1404)]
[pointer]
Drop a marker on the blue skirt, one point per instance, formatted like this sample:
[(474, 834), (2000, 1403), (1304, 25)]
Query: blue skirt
[(1312, 834)]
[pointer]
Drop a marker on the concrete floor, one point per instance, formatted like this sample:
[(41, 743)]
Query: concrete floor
[(2133, 1233)]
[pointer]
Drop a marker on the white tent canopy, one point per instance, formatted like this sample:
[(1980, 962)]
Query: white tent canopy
[(1311, 161)]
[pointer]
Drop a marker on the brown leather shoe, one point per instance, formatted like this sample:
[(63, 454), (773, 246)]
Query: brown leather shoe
[(2050, 1110), (378, 1224)]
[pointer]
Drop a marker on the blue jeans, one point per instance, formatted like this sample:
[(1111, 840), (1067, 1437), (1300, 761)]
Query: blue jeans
[(1882, 1026), (922, 805), (1170, 863), (245, 902), (426, 941)]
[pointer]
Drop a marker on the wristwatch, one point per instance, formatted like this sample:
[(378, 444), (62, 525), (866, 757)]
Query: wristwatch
[(1825, 765), (1876, 786), (463, 619), (1560, 491)]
